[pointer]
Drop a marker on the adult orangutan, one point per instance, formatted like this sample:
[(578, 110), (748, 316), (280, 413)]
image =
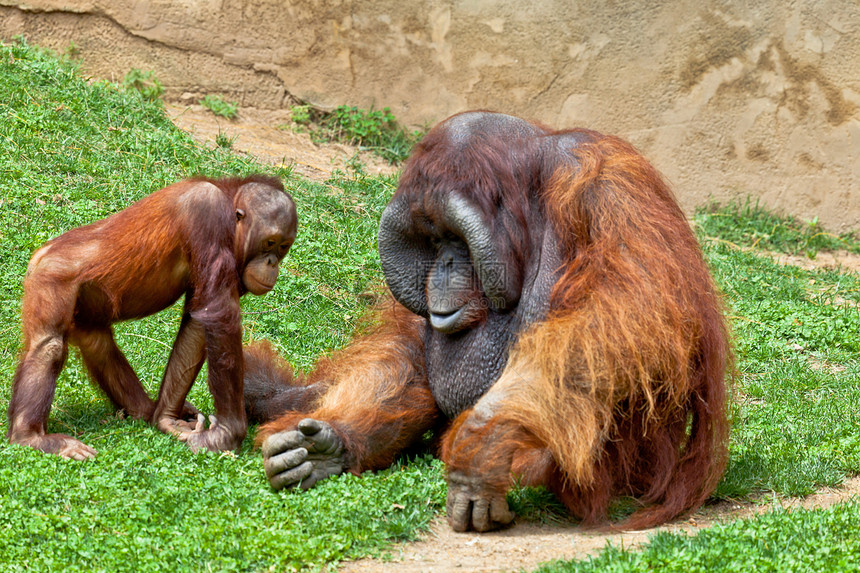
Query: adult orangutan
[(211, 240), (553, 311)]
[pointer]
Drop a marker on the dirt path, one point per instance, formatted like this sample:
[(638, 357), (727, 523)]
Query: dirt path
[(525, 545)]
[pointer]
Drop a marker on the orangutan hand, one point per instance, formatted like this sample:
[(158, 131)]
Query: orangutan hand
[(471, 505), (302, 457)]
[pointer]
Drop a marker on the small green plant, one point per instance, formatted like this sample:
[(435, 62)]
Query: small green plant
[(217, 105), (376, 130), (145, 83), (224, 141), (72, 51), (355, 165), (301, 114)]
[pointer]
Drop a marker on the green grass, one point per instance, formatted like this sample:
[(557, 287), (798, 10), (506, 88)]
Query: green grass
[(751, 225), (74, 151), (814, 541), (798, 349)]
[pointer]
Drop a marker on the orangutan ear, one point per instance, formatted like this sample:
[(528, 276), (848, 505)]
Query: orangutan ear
[(240, 214)]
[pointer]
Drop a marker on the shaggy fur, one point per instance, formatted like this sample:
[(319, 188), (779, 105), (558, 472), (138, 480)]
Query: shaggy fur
[(618, 391), (374, 393), (633, 353), (201, 238)]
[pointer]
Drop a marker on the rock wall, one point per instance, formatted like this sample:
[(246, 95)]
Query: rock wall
[(728, 99)]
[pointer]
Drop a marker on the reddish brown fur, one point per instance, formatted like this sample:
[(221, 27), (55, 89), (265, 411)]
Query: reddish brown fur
[(183, 239), (272, 387), (620, 390), (381, 402), (646, 353)]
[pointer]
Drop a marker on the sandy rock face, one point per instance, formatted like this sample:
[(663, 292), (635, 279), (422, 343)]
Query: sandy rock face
[(727, 99)]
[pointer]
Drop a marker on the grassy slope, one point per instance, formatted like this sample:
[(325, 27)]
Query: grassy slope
[(74, 152), (798, 346)]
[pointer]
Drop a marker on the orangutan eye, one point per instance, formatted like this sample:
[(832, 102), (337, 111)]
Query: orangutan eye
[(269, 243)]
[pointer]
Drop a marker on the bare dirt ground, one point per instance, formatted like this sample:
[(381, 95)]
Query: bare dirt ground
[(270, 136), (524, 545), (835, 260)]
